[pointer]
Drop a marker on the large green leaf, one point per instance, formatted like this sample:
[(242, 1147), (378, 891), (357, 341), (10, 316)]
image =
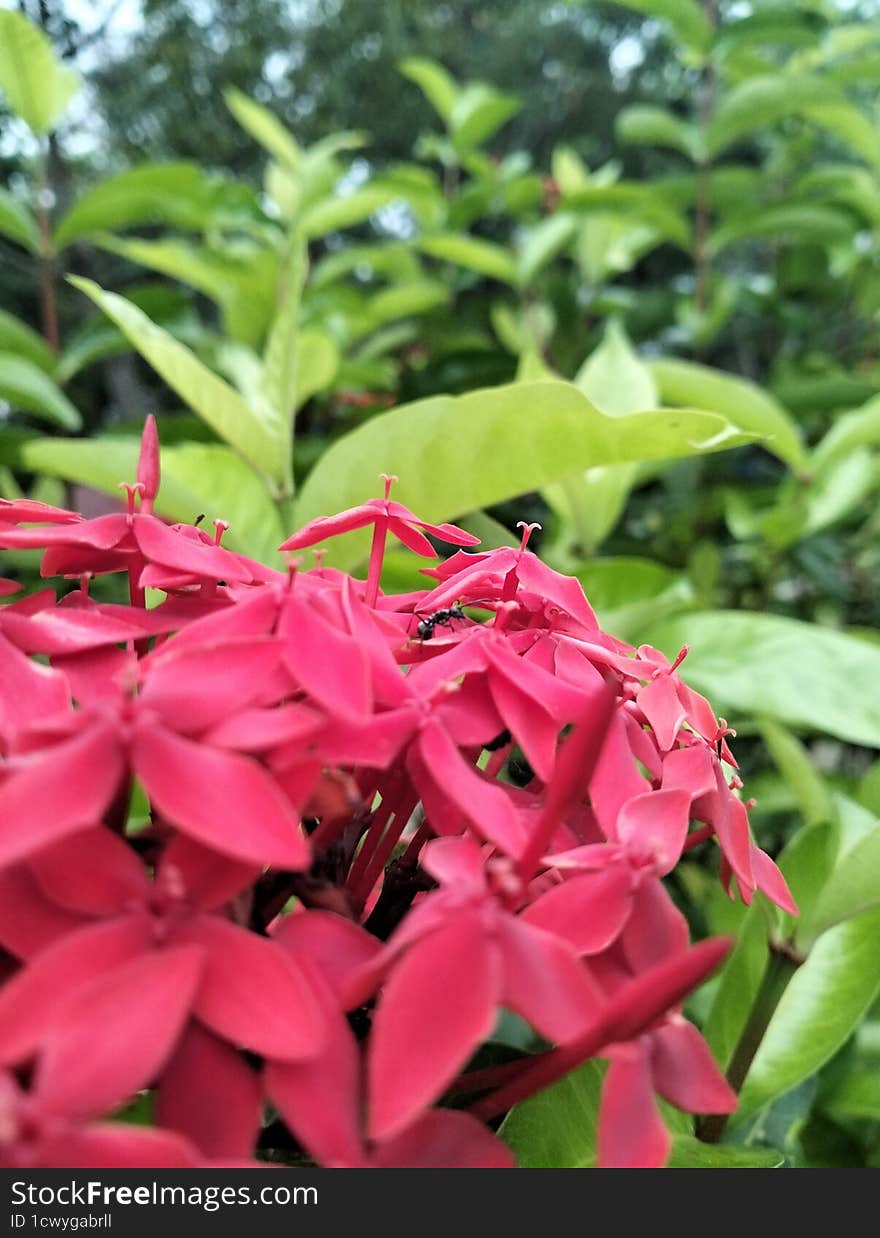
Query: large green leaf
[(345, 210), (656, 126), (264, 127), (17, 337), (849, 432), (737, 986), (763, 100), (852, 888), (823, 1003), (472, 253), (542, 243), (758, 664), (26, 386), (690, 1153), (16, 221), (261, 442), (788, 224), (178, 194), (640, 202), (196, 478), (686, 18), (477, 112), (37, 86), (454, 454), (793, 761), (438, 87), (685, 382)]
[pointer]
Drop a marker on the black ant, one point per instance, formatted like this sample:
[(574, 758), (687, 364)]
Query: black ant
[(440, 618)]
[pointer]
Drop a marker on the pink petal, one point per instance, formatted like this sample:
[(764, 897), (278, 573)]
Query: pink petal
[(530, 724), (615, 778), (336, 947), (436, 1008), (31, 1001), (545, 983), (412, 538), (204, 878), (58, 791), (29, 922), (160, 544), (631, 1131), (114, 1034), (193, 689), (29, 692), (330, 526), (329, 664), (226, 801), (254, 729), (117, 1145), (659, 702), (589, 911), (656, 929), (685, 1072), (24, 511), (252, 992), (770, 881), (444, 1139), (148, 461), (456, 862), (103, 533), (656, 824), (642, 1000), (689, 769), (320, 1100), (482, 802), (210, 1095), (93, 872), (567, 592), (96, 674)]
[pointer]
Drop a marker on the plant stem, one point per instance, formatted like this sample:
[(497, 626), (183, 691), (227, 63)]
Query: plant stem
[(702, 204), (781, 966), (48, 306)]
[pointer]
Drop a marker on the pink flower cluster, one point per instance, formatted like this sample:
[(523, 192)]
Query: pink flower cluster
[(374, 824)]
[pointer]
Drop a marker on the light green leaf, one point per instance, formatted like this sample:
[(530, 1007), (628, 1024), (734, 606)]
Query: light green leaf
[(17, 337), (439, 87), (629, 593), (569, 170), (317, 363), (823, 1003), (685, 17), (264, 127), (345, 211), (848, 124), (855, 1098), (656, 126), (542, 243), (789, 224), (639, 202), (849, 432), (737, 987), (26, 386), (457, 454), (472, 253), (614, 377), (177, 194), (691, 1153), (839, 489), (477, 112), (685, 382), (852, 888), (218, 404), (793, 761), (767, 665), (17, 223), (557, 1128), (763, 100), (37, 86)]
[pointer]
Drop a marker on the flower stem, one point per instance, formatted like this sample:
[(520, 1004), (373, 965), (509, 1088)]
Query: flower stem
[(781, 966)]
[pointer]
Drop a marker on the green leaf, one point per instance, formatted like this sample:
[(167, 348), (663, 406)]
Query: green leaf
[(852, 888), (793, 761), (823, 1003), (641, 202), (767, 665), (855, 1097), (178, 194), (685, 382), (473, 254), (27, 387), (17, 337), (737, 987), (847, 123), (477, 112), (614, 377), (16, 221), (317, 364), (763, 100), (849, 432), (690, 1153), (556, 1129), (344, 211), (789, 224), (542, 243), (686, 18), (37, 86), (656, 126), (196, 478), (629, 593), (439, 87), (457, 454), (264, 127), (262, 443)]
